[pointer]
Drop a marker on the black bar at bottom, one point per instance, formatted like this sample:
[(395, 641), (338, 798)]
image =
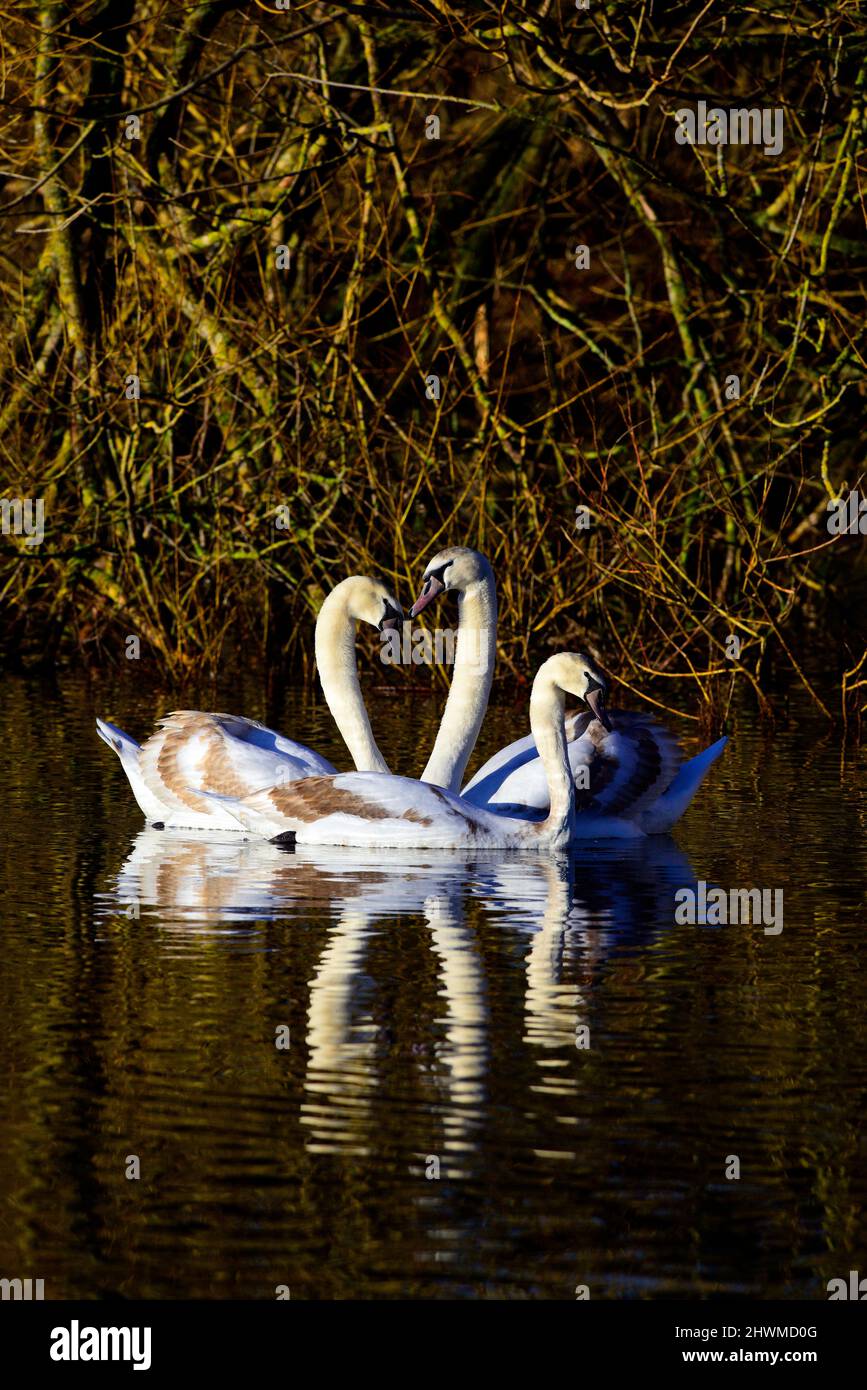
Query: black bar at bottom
[(419, 1341)]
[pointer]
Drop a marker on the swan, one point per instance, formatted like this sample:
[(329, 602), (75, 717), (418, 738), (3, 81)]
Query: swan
[(231, 755), (369, 809), (627, 767)]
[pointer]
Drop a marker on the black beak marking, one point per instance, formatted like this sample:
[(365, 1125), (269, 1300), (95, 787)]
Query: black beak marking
[(595, 696)]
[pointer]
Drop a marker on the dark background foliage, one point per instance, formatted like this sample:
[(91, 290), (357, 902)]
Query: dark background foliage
[(264, 388)]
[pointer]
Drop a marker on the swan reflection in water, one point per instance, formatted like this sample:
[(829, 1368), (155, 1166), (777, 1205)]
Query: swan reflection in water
[(569, 914)]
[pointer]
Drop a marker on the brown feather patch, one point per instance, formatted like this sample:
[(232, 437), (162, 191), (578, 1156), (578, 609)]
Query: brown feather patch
[(177, 729), (313, 798)]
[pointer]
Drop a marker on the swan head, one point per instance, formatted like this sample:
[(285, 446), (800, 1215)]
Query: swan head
[(368, 601), (457, 568), (576, 673)]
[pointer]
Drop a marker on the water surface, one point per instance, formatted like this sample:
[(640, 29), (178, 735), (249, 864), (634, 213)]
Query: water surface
[(576, 1068)]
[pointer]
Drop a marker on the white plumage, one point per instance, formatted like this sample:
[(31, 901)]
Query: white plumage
[(628, 777), (382, 811), (193, 753)]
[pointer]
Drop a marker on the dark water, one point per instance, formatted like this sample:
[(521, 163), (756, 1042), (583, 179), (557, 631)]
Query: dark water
[(433, 1003)]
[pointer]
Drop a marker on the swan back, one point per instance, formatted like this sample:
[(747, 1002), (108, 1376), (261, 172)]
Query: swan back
[(219, 752), (629, 767)]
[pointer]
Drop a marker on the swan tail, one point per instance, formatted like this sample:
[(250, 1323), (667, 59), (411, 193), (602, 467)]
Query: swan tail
[(124, 746), (669, 807), (129, 752)]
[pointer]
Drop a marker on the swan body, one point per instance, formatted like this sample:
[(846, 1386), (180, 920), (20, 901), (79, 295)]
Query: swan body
[(191, 749), (378, 812), (192, 753), (373, 810), (631, 781), (626, 767)]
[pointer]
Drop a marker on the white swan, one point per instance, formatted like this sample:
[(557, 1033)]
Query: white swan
[(231, 755), (369, 809), (627, 768)]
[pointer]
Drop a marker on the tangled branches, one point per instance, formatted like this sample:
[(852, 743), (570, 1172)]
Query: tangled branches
[(291, 293)]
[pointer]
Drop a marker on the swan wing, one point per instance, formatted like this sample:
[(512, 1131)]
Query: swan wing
[(513, 781), (258, 736), (514, 776), (631, 767), (616, 774), (193, 752), (664, 812)]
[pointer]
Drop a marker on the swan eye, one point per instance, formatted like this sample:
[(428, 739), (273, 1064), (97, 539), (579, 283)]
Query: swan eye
[(593, 684), (439, 575)]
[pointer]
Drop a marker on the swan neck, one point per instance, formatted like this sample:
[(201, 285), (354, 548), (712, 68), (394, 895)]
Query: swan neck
[(335, 658), (548, 727), (475, 653)]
